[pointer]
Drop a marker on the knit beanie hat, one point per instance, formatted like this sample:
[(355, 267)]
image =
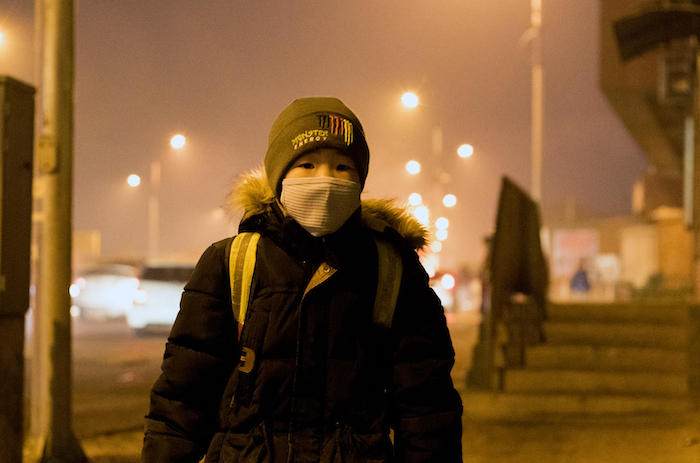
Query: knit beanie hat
[(308, 124)]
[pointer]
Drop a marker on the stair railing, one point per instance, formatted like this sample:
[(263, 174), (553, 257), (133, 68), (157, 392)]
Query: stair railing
[(515, 280)]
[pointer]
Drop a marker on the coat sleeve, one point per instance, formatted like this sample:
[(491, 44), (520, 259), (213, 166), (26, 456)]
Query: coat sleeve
[(198, 360), (425, 407)]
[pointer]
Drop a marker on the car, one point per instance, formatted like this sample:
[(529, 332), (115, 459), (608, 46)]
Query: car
[(157, 300), (104, 292)]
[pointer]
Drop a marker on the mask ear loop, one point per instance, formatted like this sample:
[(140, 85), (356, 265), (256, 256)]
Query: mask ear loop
[(281, 207)]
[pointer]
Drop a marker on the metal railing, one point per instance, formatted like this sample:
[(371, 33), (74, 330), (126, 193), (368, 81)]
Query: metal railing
[(515, 280)]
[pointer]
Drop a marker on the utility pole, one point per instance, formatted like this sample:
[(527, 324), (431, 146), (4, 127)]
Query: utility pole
[(696, 177), (56, 442), (154, 211), (536, 103)]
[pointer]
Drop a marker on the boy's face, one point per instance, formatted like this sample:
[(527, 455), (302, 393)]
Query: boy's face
[(324, 162)]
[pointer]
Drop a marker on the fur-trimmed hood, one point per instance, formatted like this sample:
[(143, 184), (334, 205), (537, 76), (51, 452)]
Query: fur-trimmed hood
[(253, 196)]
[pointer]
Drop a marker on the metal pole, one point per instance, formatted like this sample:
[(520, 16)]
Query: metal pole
[(154, 211), (696, 181), (57, 442), (537, 98), (35, 408)]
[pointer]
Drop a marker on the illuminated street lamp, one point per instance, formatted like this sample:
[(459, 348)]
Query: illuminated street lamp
[(177, 142), (409, 100), (413, 167), (415, 199), (133, 180), (449, 200), (465, 151), (422, 214), (447, 281)]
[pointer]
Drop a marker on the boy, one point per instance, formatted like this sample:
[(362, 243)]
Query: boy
[(322, 358)]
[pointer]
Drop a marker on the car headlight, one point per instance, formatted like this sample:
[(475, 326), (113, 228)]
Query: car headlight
[(141, 296)]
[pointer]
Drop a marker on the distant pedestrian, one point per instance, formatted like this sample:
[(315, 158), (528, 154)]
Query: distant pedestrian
[(313, 333), (579, 281)]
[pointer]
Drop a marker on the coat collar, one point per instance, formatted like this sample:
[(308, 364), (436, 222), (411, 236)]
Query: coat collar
[(253, 195)]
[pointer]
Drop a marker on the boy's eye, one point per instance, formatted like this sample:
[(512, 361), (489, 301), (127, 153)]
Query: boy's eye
[(344, 167), (306, 165)]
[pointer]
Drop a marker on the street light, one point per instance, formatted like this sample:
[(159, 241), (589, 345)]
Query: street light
[(465, 150), (449, 200), (409, 100), (178, 141), (133, 180), (422, 214), (415, 199), (413, 167)]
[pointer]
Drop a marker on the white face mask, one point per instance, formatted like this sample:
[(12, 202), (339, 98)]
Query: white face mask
[(320, 204)]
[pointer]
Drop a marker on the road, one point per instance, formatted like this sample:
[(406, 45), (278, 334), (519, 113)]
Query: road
[(113, 372)]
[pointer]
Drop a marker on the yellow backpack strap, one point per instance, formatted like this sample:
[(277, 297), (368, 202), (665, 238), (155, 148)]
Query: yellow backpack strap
[(388, 283), (241, 266)]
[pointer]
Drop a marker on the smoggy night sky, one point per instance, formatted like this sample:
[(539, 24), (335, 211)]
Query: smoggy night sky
[(220, 71)]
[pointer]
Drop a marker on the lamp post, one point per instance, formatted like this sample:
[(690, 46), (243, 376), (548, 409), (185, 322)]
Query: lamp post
[(537, 98), (177, 142)]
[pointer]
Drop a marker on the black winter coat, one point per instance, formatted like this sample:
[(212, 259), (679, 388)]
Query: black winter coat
[(327, 385)]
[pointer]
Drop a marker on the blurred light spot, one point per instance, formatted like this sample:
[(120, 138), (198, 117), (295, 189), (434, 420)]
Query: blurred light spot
[(465, 150), (133, 180), (449, 200), (74, 290), (441, 235), (178, 141), (409, 100), (413, 167), (127, 377), (218, 214), (436, 246), (442, 223), (141, 296), (422, 214), (430, 270), (74, 311), (447, 281), (445, 297), (415, 199)]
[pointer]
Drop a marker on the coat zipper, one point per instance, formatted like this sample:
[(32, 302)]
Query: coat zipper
[(322, 273)]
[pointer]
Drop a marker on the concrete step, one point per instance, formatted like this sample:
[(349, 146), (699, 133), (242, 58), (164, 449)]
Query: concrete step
[(517, 406), (590, 357), (638, 312), (617, 334), (595, 382)]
